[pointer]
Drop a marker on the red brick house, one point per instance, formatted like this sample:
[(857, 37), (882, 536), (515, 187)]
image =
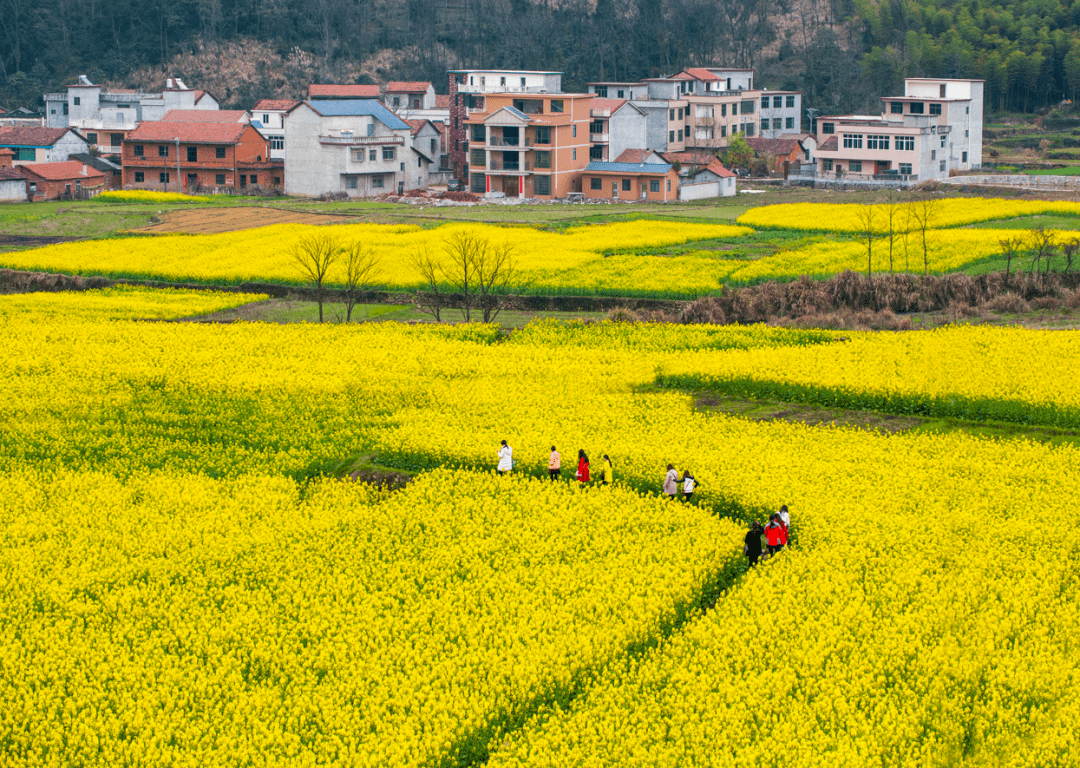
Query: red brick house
[(211, 155), (58, 181)]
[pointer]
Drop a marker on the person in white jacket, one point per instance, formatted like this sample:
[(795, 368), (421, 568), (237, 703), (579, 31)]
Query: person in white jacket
[(506, 458)]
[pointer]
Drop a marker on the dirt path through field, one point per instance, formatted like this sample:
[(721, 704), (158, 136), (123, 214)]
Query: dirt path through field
[(212, 220)]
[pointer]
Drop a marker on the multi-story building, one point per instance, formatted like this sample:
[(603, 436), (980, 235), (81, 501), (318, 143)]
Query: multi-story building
[(270, 116), (400, 95), (527, 144), (935, 128), (616, 125), (193, 156), (358, 147), (108, 114)]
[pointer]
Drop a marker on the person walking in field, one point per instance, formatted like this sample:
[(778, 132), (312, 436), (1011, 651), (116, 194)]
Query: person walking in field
[(606, 473), (506, 458), (752, 543), (774, 535), (671, 481), (689, 483), (785, 522), (582, 467), (554, 464)]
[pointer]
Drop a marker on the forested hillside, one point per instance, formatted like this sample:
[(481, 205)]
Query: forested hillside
[(1028, 52)]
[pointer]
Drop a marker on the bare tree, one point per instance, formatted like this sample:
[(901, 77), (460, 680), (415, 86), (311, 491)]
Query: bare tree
[(495, 270), (479, 272), (895, 222), (361, 266), (923, 216), (1042, 243), (1069, 249), (867, 217), (432, 299), (313, 257), (1010, 249), (458, 267)]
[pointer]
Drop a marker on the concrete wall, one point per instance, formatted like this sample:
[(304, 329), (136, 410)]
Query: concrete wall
[(12, 191), (627, 129), (699, 190)]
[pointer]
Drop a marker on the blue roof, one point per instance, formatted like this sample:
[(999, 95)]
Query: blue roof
[(358, 108), (515, 112), (660, 168)]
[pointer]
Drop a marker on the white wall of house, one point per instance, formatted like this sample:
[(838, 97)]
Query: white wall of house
[(627, 129), (510, 81), (12, 191), (273, 128), (734, 79), (699, 190)]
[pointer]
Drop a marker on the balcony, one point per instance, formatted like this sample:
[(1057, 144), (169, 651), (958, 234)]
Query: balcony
[(358, 140), (107, 150), (599, 138), (522, 166), (495, 141)]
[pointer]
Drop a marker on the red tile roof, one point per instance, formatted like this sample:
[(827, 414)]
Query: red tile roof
[(633, 155), (199, 94), (417, 125), (611, 104), (689, 158), (5, 151), (781, 146), (11, 173), (442, 101), (399, 86), (72, 169), (274, 105), (343, 91), (717, 167), (204, 116), (831, 145), (700, 73), (31, 136), (189, 133)]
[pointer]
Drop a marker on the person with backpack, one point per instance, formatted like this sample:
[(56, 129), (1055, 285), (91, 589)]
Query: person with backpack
[(554, 464), (752, 543), (606, 474), (506, 458), (582, 466), (689, 482), (774, 534), (671, 480)]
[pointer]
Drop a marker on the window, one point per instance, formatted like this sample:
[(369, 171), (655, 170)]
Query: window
[(626, 185), (906, 143), (388, 153), (220, 179), (254, 179), (376, 181), (277, 142), (941, 91), (776, 123), (140, 177), (789, 102), (556, 105), (777, 101), (764, 123), (680, 135), (703, 133), (243, 180), (478, 134), (669, 185), (523, 82), (671, 137), (137, 150), (877, 141), (573, 131), (915, 108), (266, 119), (28, 154), (933, 154), (596, 126), (654, 185), (277, 181), (596, 183), (826, 165), (419, 162), (723, 110), (163, 178), (671, 115), (476, 157), (542, 159), (966, 133), (856, 166), (935, 109), (852, 141), (573, 154), (219, 153), (91, 138), (943, 165), (477, 183), (193, 154), (680, 113), (77, 101), (502, 81), (749, 129), (163, 150), (723, 131), (621, 94), (434, 146), (350, 182), (789, 123), (905, 169), (747, 107), (116, 139), (764, 102), (963, 157), (65, 107), (944, 137), (896, 107), (601, 91), (967, 110), (541, 185), (543, 135), (402, 167), (828, 128), (704, 110)]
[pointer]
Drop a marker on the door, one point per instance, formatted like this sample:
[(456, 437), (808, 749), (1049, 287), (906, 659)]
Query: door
[(400, 187), (615, 190), (510, 186), (644, 189), (192, 180)]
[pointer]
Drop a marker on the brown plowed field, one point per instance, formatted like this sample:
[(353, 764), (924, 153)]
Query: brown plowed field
[(210, 220)]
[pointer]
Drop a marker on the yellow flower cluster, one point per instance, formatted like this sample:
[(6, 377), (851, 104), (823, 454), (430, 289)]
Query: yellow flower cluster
[(926, 614), (263, 254), (845, 217), (1010, 374), (121, 303), (148, 196)]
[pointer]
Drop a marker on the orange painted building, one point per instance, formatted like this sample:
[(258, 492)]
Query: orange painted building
[(655, 182), (204, 155), (528, 144)]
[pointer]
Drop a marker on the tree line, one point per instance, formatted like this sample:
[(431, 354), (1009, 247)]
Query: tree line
[(1028, 52)]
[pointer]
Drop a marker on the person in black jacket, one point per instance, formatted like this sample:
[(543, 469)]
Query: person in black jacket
[(752, 548)]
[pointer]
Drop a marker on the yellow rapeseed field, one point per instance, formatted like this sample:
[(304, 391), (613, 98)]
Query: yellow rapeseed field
[(184, 587), (149, 196)]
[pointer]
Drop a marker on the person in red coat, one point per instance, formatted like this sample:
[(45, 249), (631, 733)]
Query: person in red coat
[(774, 535), (582, 466)]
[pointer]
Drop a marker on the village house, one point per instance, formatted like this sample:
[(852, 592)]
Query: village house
[(207, 116), (783, 152), (358, 147), (401, 95), (21, 117), (270, 115), (329, 91), (13, 186), (62, 181), (956, 105), (114, 172), (700, 175), (194, 156), (42, 145), (656, 182), (615, 125), (427, 145), (106, 115)]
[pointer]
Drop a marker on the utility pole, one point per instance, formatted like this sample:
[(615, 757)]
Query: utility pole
[(178, 190)]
